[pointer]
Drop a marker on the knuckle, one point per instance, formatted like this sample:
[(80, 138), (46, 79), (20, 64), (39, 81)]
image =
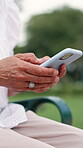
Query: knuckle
[(39, 71), (32, 54), (51, 72), (39, 80), (47, 57), (18, 55), (19, 65), (17, 62)]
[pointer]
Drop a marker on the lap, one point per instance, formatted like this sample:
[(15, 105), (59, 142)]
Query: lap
[(51, 132), (11, 139), (41, 132)]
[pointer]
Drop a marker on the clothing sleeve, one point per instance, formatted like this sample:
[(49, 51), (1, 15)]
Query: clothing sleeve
[(13, 24), (9, 27), (4, 52), (3, 16)]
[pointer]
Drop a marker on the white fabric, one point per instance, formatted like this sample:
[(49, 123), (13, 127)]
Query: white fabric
[(10, 114)]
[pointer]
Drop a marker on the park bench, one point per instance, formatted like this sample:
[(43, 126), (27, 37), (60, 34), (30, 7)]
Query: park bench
[(34, 103)]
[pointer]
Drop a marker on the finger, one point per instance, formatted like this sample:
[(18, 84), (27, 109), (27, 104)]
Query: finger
[(28, 89), (40, 71), (37, 79), (40, 90), (42, 60), (44, 85), (62, 70), (32, 78), (28, 57), (24, 86)]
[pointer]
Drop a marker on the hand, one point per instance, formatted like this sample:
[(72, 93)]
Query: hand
[(62, 71), (17, 71), (28, 58)]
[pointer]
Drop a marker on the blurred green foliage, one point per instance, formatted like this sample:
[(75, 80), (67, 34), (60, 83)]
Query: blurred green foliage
[(51, 32)]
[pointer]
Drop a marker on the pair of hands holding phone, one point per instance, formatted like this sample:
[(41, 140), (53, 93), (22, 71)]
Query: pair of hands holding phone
[(17, 71)]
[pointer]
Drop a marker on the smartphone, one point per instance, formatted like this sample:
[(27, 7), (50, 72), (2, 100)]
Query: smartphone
[(66, 56)]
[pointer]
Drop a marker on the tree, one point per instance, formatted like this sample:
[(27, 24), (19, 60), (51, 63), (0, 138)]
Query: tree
[(49, 33)]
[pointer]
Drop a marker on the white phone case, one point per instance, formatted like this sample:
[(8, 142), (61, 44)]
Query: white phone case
[(66, 56)]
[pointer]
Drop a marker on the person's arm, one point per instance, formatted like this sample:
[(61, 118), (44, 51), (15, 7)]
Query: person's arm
[(17, 71), (62, 70)]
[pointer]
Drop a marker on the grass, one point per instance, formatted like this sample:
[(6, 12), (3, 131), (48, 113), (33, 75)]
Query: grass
[(74, 101)]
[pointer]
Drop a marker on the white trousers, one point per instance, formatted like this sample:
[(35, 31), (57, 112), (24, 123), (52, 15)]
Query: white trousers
[(40, 132)]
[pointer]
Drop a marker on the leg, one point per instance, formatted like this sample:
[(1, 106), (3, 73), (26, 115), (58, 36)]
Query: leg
[(51, 132), (11, 139)]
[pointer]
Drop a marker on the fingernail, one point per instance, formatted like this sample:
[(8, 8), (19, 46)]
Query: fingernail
[(56, 72), (57, 79)]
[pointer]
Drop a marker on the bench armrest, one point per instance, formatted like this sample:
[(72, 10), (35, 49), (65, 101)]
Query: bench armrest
[(34, 103)]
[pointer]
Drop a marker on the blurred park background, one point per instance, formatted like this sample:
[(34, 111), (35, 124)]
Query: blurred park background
[(47, 27)]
